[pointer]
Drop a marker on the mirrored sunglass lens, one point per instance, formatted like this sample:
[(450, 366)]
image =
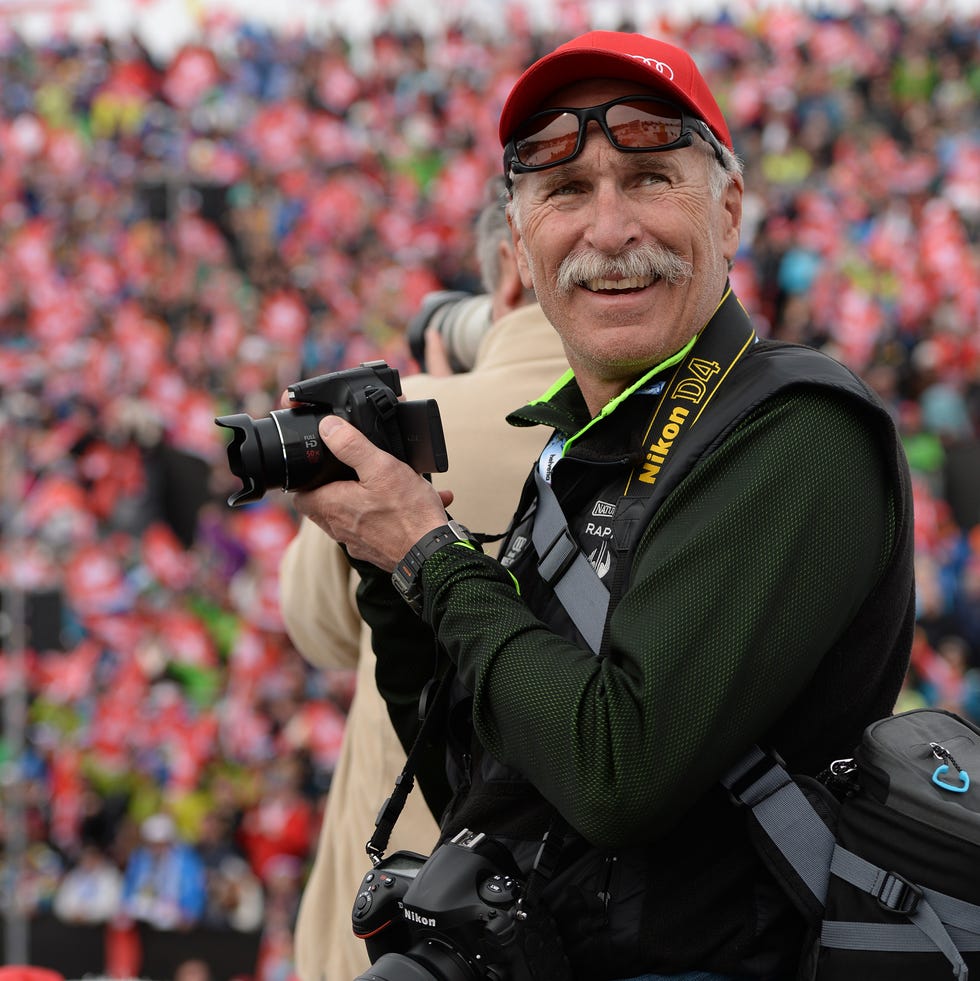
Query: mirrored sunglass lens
[(637, 126), (549, 139)]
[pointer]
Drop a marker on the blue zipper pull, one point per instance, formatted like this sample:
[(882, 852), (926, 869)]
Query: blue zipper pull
[(938, 776)]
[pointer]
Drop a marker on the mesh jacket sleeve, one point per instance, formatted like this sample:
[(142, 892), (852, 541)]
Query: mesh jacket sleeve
[(747, 573)]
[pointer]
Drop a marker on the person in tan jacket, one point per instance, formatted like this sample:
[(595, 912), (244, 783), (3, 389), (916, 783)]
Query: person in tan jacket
[(519, 356)]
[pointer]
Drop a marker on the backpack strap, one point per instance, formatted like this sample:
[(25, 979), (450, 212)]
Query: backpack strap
[(761, 782), (937, 921), (566, 568)]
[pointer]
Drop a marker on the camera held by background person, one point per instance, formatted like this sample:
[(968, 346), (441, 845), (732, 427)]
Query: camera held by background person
[(461, 319)]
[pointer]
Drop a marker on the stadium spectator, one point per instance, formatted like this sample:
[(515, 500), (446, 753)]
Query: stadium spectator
[(91, 890), (164, 882), (279, 824)]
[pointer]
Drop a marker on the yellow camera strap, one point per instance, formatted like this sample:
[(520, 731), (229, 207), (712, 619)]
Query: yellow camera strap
[(684, 399)]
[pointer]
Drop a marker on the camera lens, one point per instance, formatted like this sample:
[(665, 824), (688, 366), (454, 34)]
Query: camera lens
[(396, 967), (463, 326), (461, 319), (428, 960), (282, 451)]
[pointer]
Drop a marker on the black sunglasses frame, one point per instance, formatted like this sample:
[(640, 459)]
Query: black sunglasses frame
[(690, 125)]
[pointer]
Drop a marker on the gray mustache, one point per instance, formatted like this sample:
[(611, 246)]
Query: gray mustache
[(644, 260)]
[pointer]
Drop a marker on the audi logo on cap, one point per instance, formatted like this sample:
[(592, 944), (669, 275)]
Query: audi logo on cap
[(660, 66)]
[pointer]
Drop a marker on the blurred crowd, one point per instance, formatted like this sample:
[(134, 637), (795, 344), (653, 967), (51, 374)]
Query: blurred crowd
[(181, 240)]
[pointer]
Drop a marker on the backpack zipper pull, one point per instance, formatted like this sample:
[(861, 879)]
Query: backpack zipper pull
[(938, 777)]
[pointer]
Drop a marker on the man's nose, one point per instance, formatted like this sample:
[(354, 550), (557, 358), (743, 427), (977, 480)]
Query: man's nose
[(614, 223)]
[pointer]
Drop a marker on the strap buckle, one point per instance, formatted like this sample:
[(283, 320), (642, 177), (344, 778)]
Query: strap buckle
[(758, 776), (557, 557), (895, 894)]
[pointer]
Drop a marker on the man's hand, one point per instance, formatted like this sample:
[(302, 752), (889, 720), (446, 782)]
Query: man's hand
[(382, 514), (436, 356)]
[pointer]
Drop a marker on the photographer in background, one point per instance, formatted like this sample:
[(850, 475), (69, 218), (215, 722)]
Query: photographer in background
[(518, 356)]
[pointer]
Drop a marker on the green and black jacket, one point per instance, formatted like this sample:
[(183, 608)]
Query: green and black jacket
[(769, 599)]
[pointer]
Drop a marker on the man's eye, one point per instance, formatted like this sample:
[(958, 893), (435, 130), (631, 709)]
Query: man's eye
[(564, 190)]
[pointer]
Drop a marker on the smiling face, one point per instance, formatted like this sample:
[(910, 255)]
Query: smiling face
[(627, 253)]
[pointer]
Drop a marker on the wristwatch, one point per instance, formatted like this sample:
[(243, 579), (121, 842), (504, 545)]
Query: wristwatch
[(406, 574)]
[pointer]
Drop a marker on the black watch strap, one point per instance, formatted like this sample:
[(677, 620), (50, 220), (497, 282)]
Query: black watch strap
[(406, 574)]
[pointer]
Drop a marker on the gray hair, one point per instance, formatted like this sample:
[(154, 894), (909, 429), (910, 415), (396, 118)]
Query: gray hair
[(723, 172), (492, 228)]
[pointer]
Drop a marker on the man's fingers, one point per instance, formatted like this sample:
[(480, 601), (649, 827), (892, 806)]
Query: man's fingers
[(381, 514), (347, 443), (436, 356)]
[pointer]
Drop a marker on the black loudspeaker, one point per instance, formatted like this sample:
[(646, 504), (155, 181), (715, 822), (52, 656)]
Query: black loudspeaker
[(43, 620)]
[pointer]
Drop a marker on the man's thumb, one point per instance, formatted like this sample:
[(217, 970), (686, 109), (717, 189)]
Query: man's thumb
[(345, 441)]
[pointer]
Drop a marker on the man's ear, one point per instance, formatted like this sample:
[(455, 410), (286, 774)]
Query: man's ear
[(731, 203), (520, 254), (511, 289)]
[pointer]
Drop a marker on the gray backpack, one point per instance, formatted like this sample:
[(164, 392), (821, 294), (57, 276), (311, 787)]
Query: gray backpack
[(886, 868)]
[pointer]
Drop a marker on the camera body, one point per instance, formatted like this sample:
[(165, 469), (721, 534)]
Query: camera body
[(458, 915), (377, 916), (285, 450)]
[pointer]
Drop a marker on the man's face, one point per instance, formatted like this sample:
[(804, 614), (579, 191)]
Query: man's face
[(606, 204)]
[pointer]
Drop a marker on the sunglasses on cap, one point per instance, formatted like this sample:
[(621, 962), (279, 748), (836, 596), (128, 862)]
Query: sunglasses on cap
[(632, 124)]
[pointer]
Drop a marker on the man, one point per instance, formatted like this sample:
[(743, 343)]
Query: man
[(743, 511), (164, 881), (516, 359)]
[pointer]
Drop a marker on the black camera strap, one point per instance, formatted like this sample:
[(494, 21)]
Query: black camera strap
[(385, 404), (435, 691), (552, 842), (546, 859)]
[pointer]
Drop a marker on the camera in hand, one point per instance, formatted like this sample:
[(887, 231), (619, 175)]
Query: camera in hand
[(458, 915), (285, 449)]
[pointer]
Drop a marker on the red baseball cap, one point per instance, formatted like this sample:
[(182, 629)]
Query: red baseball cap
[(636, 58)]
